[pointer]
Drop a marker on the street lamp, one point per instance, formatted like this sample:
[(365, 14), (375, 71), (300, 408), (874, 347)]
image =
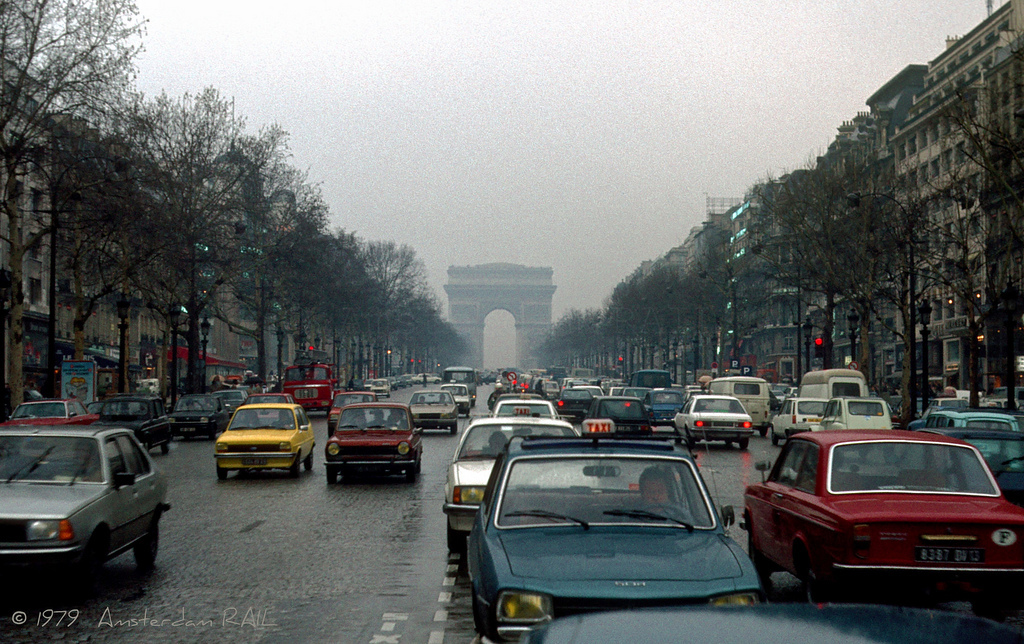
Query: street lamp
[(204, 328), (5, 293), (696, 357), (808, 327), (123, 307), (854, 321), (925, 311), (173, 316), (1011, 303), (280, 359), (675, 360)]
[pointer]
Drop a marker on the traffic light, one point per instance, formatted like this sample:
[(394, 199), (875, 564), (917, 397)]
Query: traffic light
[(819, 347), (620, 359)]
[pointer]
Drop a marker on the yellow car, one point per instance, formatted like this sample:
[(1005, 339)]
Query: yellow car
[(266, 437)]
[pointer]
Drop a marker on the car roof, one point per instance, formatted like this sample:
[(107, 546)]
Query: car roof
[(973, 413), (517, 420), (548, 445), (62, 430), (964, 433), (48, 400), (829, 438), (270, 405), (377, 404)]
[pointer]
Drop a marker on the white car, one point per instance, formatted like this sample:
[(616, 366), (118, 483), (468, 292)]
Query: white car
[(461, 395), (530, 408), (714, 418), (855, 413), (381, 387), (796, 415), (480, 445)]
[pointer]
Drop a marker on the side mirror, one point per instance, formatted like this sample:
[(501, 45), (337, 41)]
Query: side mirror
[(728, 515), (763, 466), (123, 479)]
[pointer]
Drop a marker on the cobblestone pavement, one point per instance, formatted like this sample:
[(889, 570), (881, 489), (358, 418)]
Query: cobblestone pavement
[(271, 559)]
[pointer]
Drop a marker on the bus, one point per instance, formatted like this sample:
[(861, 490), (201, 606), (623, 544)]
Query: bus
[(311, 384), (653, 378), (463, 376)]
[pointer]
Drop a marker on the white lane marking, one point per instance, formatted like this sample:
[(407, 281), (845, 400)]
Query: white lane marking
[(394, 617), (385, 639), (387, 626), (444, 597), (453, 568), (454, 556), (440, 616), (449, 581), (436, 637)]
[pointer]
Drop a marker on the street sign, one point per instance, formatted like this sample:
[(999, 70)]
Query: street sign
[(854, 365), (746, 370), (510, 376), (734, 364), (714, 365)]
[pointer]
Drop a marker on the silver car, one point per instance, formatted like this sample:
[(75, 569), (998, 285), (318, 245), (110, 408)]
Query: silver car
[(480, 445), (76, 497), (714, 418)]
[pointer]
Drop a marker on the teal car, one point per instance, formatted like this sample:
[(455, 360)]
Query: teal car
[(970, 419), (573, 525)]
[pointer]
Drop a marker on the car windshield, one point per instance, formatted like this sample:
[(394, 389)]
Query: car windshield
[(899, 466), (39, 410), (196, 404), (666, 398), (350, 399), (124, 409), (299, 374), (537, 410), (810, 407), (542, 492), (621, 410), (374, 418), (866, 408), (60, 459), (720, 405), (635, 392), (255, 418), (1001, 454), (432, 398), (488, 440), (231, 394), (459, 376), (457, 390), (576, 394), (990, 423)]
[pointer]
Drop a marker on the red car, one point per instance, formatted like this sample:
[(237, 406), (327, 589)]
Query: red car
[(51, 412), (342, 398), (374, 437), (893, 513)]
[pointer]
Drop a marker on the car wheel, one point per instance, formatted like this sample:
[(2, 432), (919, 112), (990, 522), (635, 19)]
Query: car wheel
[(761, 565), (145, 549), (212, 435), (454, 428), (690, 442), (410, 474), (763, 430), (332, 475), (165, 447), (743, 443), (456, 541), (482, 621), (293, 471), (308, 462), (222, 473), (815, 590), (91, 564), (775, 437)]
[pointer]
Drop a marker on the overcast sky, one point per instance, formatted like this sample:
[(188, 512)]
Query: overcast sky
[(578, 135)]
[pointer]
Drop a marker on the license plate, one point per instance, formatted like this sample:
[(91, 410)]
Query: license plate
[(949, 555), (812, 420), (188, 429), (254, 461)]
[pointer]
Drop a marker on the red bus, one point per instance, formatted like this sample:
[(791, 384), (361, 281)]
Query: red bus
[(311, 385)]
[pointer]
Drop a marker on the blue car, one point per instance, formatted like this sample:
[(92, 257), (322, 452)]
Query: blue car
[(663, 405), (970, 419), (573, 525), (1004, 453)]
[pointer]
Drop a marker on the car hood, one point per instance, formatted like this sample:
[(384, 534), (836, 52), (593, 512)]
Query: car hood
[(419, 409), (127, 424), (257, 435), (927, 507), (472, 471), (619, 553), (192, 415), (371, 436), (46, 500)]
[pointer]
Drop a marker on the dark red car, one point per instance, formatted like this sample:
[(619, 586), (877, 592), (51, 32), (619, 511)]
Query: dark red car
[(888, 514), (51, 412), (376, 438), (341, 399)]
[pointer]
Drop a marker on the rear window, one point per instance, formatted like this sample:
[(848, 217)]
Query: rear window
[(746, 389), (811, 407), (667, 398), (988, 423), (569, 394), (841, 389), (892, 466), (866, 408), (623, 409)]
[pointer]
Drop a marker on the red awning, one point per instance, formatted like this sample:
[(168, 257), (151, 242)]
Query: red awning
[(213, 361)]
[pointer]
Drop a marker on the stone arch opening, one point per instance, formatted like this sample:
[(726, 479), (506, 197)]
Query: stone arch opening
[(499, 339), (474, 292)]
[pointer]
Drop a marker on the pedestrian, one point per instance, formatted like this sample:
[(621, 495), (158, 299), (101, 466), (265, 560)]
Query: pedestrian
[(351, 386)]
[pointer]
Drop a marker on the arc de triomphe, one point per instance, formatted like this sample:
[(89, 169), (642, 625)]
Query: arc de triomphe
[(524, 291)]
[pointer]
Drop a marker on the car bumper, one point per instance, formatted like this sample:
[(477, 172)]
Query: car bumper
[(435, 423), (246, 460), (460, 516), (193, 429), (368, 464), (720, 434), (948, 582), (12, 556)]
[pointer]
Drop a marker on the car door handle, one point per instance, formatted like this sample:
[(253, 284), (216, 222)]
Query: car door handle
[(777, 496)]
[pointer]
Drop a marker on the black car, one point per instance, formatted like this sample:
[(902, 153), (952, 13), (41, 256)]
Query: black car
[(199, 415), (627, 413), (232, 398), (573, 404), (141, 413), (1003, 451)]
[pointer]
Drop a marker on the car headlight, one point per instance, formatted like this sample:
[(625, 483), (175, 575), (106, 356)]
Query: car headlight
[(403, 448), (222, 447), (333, 449), (284, 446), (42, 530), (468, 494), (736, 599), (523, 607), (204, 419)]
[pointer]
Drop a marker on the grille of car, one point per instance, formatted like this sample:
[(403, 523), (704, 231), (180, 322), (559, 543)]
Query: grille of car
[(369, 450), (275, 447), (431, 416), (305, 393), (12, 531), (572, 605)]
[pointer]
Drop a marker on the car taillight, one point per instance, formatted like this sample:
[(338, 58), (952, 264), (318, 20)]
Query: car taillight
[(861, 540), (794, 419), (747, 424), (561, 402), (699, 423)]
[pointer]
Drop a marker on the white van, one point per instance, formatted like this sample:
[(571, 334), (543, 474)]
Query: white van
[(855, 413), (752, 392), (833, 383)]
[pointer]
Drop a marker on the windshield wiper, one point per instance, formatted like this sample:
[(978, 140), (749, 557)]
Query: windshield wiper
[(644, 514), (31, 466), (1013, 460), (544, 514)]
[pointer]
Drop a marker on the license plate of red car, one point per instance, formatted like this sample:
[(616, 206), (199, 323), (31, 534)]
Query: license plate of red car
[(949, 555)]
